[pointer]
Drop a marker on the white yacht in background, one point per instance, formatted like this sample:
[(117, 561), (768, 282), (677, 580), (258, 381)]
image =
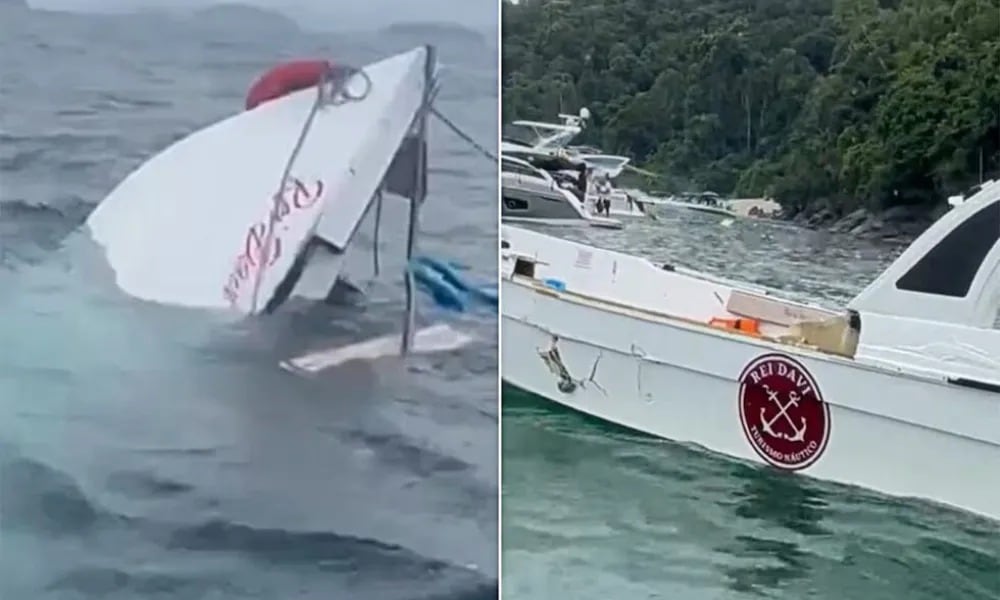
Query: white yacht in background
[(537, 140), (533, 195)]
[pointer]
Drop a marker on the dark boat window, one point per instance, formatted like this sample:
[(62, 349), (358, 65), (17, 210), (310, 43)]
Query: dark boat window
[(514, 203), (950, 267), (513, 167), (524, 267), (519, 134)]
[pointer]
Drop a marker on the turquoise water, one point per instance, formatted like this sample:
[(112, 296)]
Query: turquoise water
[(591, 511)]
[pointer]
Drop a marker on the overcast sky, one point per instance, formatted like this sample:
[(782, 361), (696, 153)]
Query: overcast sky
[(346, 13)]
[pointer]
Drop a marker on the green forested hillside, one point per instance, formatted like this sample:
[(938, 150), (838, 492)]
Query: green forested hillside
[(821, 103)]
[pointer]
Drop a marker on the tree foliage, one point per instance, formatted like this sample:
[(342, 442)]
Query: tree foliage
[(849, 103)]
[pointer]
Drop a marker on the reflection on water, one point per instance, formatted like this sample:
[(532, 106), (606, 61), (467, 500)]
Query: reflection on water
[(783, 499), (780, 501)]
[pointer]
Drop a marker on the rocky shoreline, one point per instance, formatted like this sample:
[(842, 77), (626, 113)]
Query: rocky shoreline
[(900, 223)]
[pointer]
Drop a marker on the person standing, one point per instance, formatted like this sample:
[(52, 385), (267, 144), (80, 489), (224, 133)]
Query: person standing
[(581, 179), (603, 186)]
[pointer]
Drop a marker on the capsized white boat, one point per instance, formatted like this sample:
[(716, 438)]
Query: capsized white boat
[(897, 392), (233, 215)]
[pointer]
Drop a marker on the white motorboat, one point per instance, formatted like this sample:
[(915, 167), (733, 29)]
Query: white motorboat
[(533, 195), (707, 202), (533, 140), (898, 392), (233, 217)]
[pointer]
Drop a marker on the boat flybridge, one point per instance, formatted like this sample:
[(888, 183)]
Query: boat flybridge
[(522, 139), (539, 137)]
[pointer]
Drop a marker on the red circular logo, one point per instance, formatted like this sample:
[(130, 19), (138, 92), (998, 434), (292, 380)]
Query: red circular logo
[(783, 413)]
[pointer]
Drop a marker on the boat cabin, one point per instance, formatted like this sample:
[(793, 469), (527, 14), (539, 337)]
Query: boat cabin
[(950, 273)]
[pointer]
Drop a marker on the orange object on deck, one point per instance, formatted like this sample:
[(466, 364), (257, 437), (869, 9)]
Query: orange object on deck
[(741, 324)]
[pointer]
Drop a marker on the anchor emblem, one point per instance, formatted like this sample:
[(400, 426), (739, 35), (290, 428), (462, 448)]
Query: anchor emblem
[(782, 412), (767, 424)]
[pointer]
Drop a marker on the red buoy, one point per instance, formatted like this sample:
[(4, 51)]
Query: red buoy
[(285, 78)]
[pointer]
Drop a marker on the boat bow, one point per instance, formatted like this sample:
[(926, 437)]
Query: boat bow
[(222, 218)]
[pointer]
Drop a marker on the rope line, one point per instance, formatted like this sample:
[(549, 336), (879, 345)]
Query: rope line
[(460, 133), (378, 226)]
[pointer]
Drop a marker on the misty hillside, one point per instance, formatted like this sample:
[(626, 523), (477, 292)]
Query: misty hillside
[(435, 32), (248, 17), (323, 15)]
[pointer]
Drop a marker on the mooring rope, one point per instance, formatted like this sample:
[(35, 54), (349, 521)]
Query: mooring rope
[(465, 136), (378, 226)]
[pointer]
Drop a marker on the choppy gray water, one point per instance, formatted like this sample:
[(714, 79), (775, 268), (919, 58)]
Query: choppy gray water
[(594, 512), (148, 452)]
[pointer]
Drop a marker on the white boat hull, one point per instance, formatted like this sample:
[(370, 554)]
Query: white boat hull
[(853, 423), (589, 220), (634, 213), (714, 210), (621, 207), (676, 398)]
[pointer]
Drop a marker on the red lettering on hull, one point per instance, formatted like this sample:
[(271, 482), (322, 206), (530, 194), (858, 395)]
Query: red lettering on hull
[(262, 245)]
